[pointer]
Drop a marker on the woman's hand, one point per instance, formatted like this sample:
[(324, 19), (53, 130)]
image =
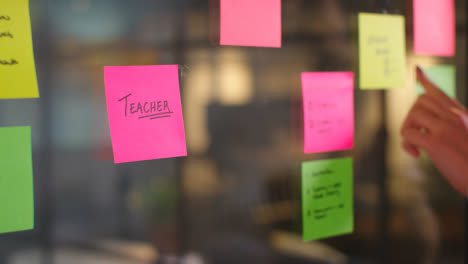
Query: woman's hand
[(439, 126)]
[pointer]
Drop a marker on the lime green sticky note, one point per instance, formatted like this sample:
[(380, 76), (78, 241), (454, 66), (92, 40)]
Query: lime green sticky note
[(327, 198), (16, 181), (444, 76), (17, 68), (382, 51)]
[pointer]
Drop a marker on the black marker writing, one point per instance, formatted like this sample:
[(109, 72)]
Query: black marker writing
[(377, 40), (7, 18), (381, 52), (160, 117), (323, 193), (321, 213), (316, 122), (331, 193), (318, 196), (319, 189), (320, 106), (322, 210), (125, 97), (6, 35), (10, 62), (318, 217), (151, 110), (323, 172)]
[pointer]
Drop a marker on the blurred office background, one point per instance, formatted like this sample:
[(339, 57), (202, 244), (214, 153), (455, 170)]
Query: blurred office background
[(236, 197)]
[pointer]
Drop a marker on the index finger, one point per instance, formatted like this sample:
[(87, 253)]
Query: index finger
[(427, 84), (433, 90)]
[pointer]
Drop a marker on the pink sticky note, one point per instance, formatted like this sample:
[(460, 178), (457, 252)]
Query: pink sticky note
[(250, 23), (145, 112), (328, 111), (434, 27)]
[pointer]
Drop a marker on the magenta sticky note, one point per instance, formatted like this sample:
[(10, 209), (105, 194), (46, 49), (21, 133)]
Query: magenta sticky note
[(250, 23), (328, 111), (434, 27), (145, 112)]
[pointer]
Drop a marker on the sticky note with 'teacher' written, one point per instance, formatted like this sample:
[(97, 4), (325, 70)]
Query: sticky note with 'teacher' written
[(327, 198), (145, 112), (250, 23), (328, 111), (382, 51), (434, 27), (16, 180), (17, 68)]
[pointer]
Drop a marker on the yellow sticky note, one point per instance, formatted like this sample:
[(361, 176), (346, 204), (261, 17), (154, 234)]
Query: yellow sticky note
[(17, 68), (382, 51)]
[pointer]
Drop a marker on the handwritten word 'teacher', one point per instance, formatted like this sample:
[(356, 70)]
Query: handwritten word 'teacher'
[(6, 35), (7, 18), (151, 110), (10, 62)]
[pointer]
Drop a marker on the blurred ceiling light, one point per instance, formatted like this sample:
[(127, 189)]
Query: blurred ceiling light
[(197, 97), (235, 78)]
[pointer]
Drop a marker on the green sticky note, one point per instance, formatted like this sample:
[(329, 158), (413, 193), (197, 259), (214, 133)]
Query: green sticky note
[(17, 68), (382, 51), (16, 181), (444, 76), (327, 198)]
